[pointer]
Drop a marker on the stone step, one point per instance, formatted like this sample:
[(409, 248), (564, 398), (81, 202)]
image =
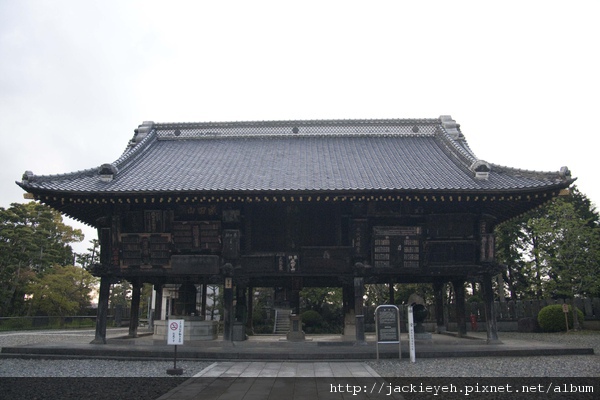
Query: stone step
[(282, 322)]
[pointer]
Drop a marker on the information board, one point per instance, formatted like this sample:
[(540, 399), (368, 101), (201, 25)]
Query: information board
[(387, 326)]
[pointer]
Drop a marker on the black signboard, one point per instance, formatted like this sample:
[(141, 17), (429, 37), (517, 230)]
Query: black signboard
[(386, 318), (387, 326)]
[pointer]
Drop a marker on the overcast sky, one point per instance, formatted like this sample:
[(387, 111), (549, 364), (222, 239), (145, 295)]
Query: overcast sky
[(76, 77)]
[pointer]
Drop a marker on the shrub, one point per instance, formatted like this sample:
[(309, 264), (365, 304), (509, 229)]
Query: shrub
[(312, 321), (15, 324), (552, 318)]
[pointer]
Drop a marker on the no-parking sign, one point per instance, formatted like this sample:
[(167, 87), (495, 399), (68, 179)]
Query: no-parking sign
[(175, 331)]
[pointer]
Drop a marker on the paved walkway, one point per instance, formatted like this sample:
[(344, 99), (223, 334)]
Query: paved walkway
[(282, 380), (285, 369)]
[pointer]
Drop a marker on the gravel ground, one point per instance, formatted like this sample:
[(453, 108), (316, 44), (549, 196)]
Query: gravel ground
[(16, 367), (542, 366), (132, 380), (36, 379)]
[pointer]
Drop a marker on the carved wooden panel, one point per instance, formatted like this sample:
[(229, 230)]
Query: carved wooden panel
[(452, 252), (457, 226), (197, 236), (145, 250), (231, 243), (359, 237), (397, 246)]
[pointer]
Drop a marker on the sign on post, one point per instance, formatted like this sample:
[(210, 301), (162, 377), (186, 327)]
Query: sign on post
[(175, 333), (175, 337), (387, 326), (411, 333)]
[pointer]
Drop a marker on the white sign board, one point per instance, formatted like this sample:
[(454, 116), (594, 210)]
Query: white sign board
[(175, 331), (411, 333)]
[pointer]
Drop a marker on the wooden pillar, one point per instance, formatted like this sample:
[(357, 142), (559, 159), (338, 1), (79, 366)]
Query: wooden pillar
[(240, 303), (228, 309), (295, 300), (134, 316), (461, 319), (102, 313), (203, 304), (348, 309), (250, 307), (490, 314), (158, 299), (438, 292), (359, 291), (391, 290)]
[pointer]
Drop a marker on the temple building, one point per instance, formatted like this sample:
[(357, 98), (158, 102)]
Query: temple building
[(294, 204)]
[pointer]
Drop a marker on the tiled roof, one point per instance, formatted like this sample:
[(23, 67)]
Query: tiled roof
[(340, 155)]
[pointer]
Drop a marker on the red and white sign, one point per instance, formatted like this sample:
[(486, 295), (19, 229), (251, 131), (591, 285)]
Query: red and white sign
[(175, 331)]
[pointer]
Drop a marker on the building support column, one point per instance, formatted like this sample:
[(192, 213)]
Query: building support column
[(438, 292), (295, 302), (359, 291), (134, 315), (490, 312), (203, 301), (348, 309), (102, 313), (461, 318), (240, 303), (228, 313), (158, 300), (250, 307), (392, 292)]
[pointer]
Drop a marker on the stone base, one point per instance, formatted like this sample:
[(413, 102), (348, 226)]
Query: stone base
[(349, 327), (295, 336), (193, 329)]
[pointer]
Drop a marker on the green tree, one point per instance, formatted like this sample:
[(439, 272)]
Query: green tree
[(120, 294), (570, 251), (214, 302), (320, 298), (511, 240), (87, 260), (61, 291), (33, 238), (552, 251), (403, 291), (145, 300)]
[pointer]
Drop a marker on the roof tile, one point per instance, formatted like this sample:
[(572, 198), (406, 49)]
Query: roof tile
[(322, 156)]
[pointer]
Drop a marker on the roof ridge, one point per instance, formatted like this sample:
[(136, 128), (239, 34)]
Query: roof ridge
[(309, 122), (452, 136), (29, 176), (562, 174), (298, 128), (134, 149)]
